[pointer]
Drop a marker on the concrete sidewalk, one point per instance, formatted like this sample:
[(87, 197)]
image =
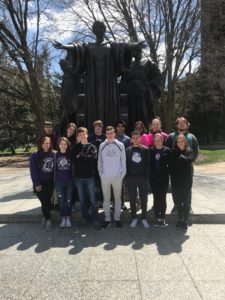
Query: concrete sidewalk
[(134, 264), (116, 264), (19, 204)]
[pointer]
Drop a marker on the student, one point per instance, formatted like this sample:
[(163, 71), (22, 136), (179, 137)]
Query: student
[(182, 127), (120, 134), (71, 134), (159, 178), (181, 171), (96, 139), (63, 180), (123, 138), (112, 169), (137, 157), (155, 127), (49, 131), (139, 126), (84, 156), (41, 170)]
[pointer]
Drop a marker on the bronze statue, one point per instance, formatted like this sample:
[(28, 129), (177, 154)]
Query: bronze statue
[(143, 85), (100, 63)]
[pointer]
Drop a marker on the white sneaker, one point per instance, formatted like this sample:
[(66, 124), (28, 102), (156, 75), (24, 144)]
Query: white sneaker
[(68, 222), (63, 223), (133, 223), (145, 223)]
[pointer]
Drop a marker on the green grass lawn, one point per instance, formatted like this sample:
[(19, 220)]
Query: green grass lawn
[(19, 151), (210, 156)]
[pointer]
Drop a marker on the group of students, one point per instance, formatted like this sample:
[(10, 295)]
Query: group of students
[(115, 162)]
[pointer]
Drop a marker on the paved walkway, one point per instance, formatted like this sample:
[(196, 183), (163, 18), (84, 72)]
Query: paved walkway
[(82, 263), (19, 204)]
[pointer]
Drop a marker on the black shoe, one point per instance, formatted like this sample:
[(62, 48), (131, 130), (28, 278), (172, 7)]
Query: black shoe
[(184, 225), (124, 208), (106, 225), (163, 223), (157, 223), (174, 210), (118, 224)]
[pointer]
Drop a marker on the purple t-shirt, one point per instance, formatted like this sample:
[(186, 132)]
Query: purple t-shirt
[(41, 171), (63, 168)]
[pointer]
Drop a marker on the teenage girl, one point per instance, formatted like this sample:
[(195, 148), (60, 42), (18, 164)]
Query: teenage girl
[(181, 171), (41, 170), (155, 127), (159, 178), (64, 181), (140, 127)]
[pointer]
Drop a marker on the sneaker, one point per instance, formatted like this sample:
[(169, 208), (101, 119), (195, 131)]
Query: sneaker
[(163, 223), (157, 223), (63, 223), (48, 226), (145, 223), (174, 211), (43, 223), (68, 222), (106, 225), (133, 223), (184, 225), (118, 224)]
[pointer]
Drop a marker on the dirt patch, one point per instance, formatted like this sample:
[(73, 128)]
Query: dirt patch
[(15, 161)]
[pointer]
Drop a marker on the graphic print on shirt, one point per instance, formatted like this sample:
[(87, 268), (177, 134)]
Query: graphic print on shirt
[(136, 157), (111, 153), (86, 152), (47, 165), (157, 156), (63, 163)]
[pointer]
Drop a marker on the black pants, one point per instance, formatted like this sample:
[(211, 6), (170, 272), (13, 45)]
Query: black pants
[(140, 183), (45, 198), (190, 179), (159, 190), (181, 197)]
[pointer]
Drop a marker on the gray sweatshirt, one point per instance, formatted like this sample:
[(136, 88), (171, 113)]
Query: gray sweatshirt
[(111, 159)]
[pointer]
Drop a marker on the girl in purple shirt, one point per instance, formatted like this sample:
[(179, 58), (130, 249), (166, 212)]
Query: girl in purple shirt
[(41, 170), (63, 180)]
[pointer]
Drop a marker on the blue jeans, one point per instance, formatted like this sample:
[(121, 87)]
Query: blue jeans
[(64, 191), (86, 192)]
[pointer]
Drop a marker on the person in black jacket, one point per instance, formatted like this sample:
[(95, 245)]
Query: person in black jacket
[(181, 171), (159, 178), (84, 156), (137, 177)]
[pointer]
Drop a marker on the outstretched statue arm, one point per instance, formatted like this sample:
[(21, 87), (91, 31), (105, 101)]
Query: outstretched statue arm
[(135, 46), (58, 45)]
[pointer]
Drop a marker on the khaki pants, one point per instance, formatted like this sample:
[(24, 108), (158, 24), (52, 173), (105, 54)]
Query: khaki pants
[(116, 184)]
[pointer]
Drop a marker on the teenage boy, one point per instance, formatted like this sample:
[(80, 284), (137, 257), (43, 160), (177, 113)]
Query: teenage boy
[(96, 139), (138, 165), (123, 138), (49, 131), (84, 156), (182, 127), (112, 169)]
